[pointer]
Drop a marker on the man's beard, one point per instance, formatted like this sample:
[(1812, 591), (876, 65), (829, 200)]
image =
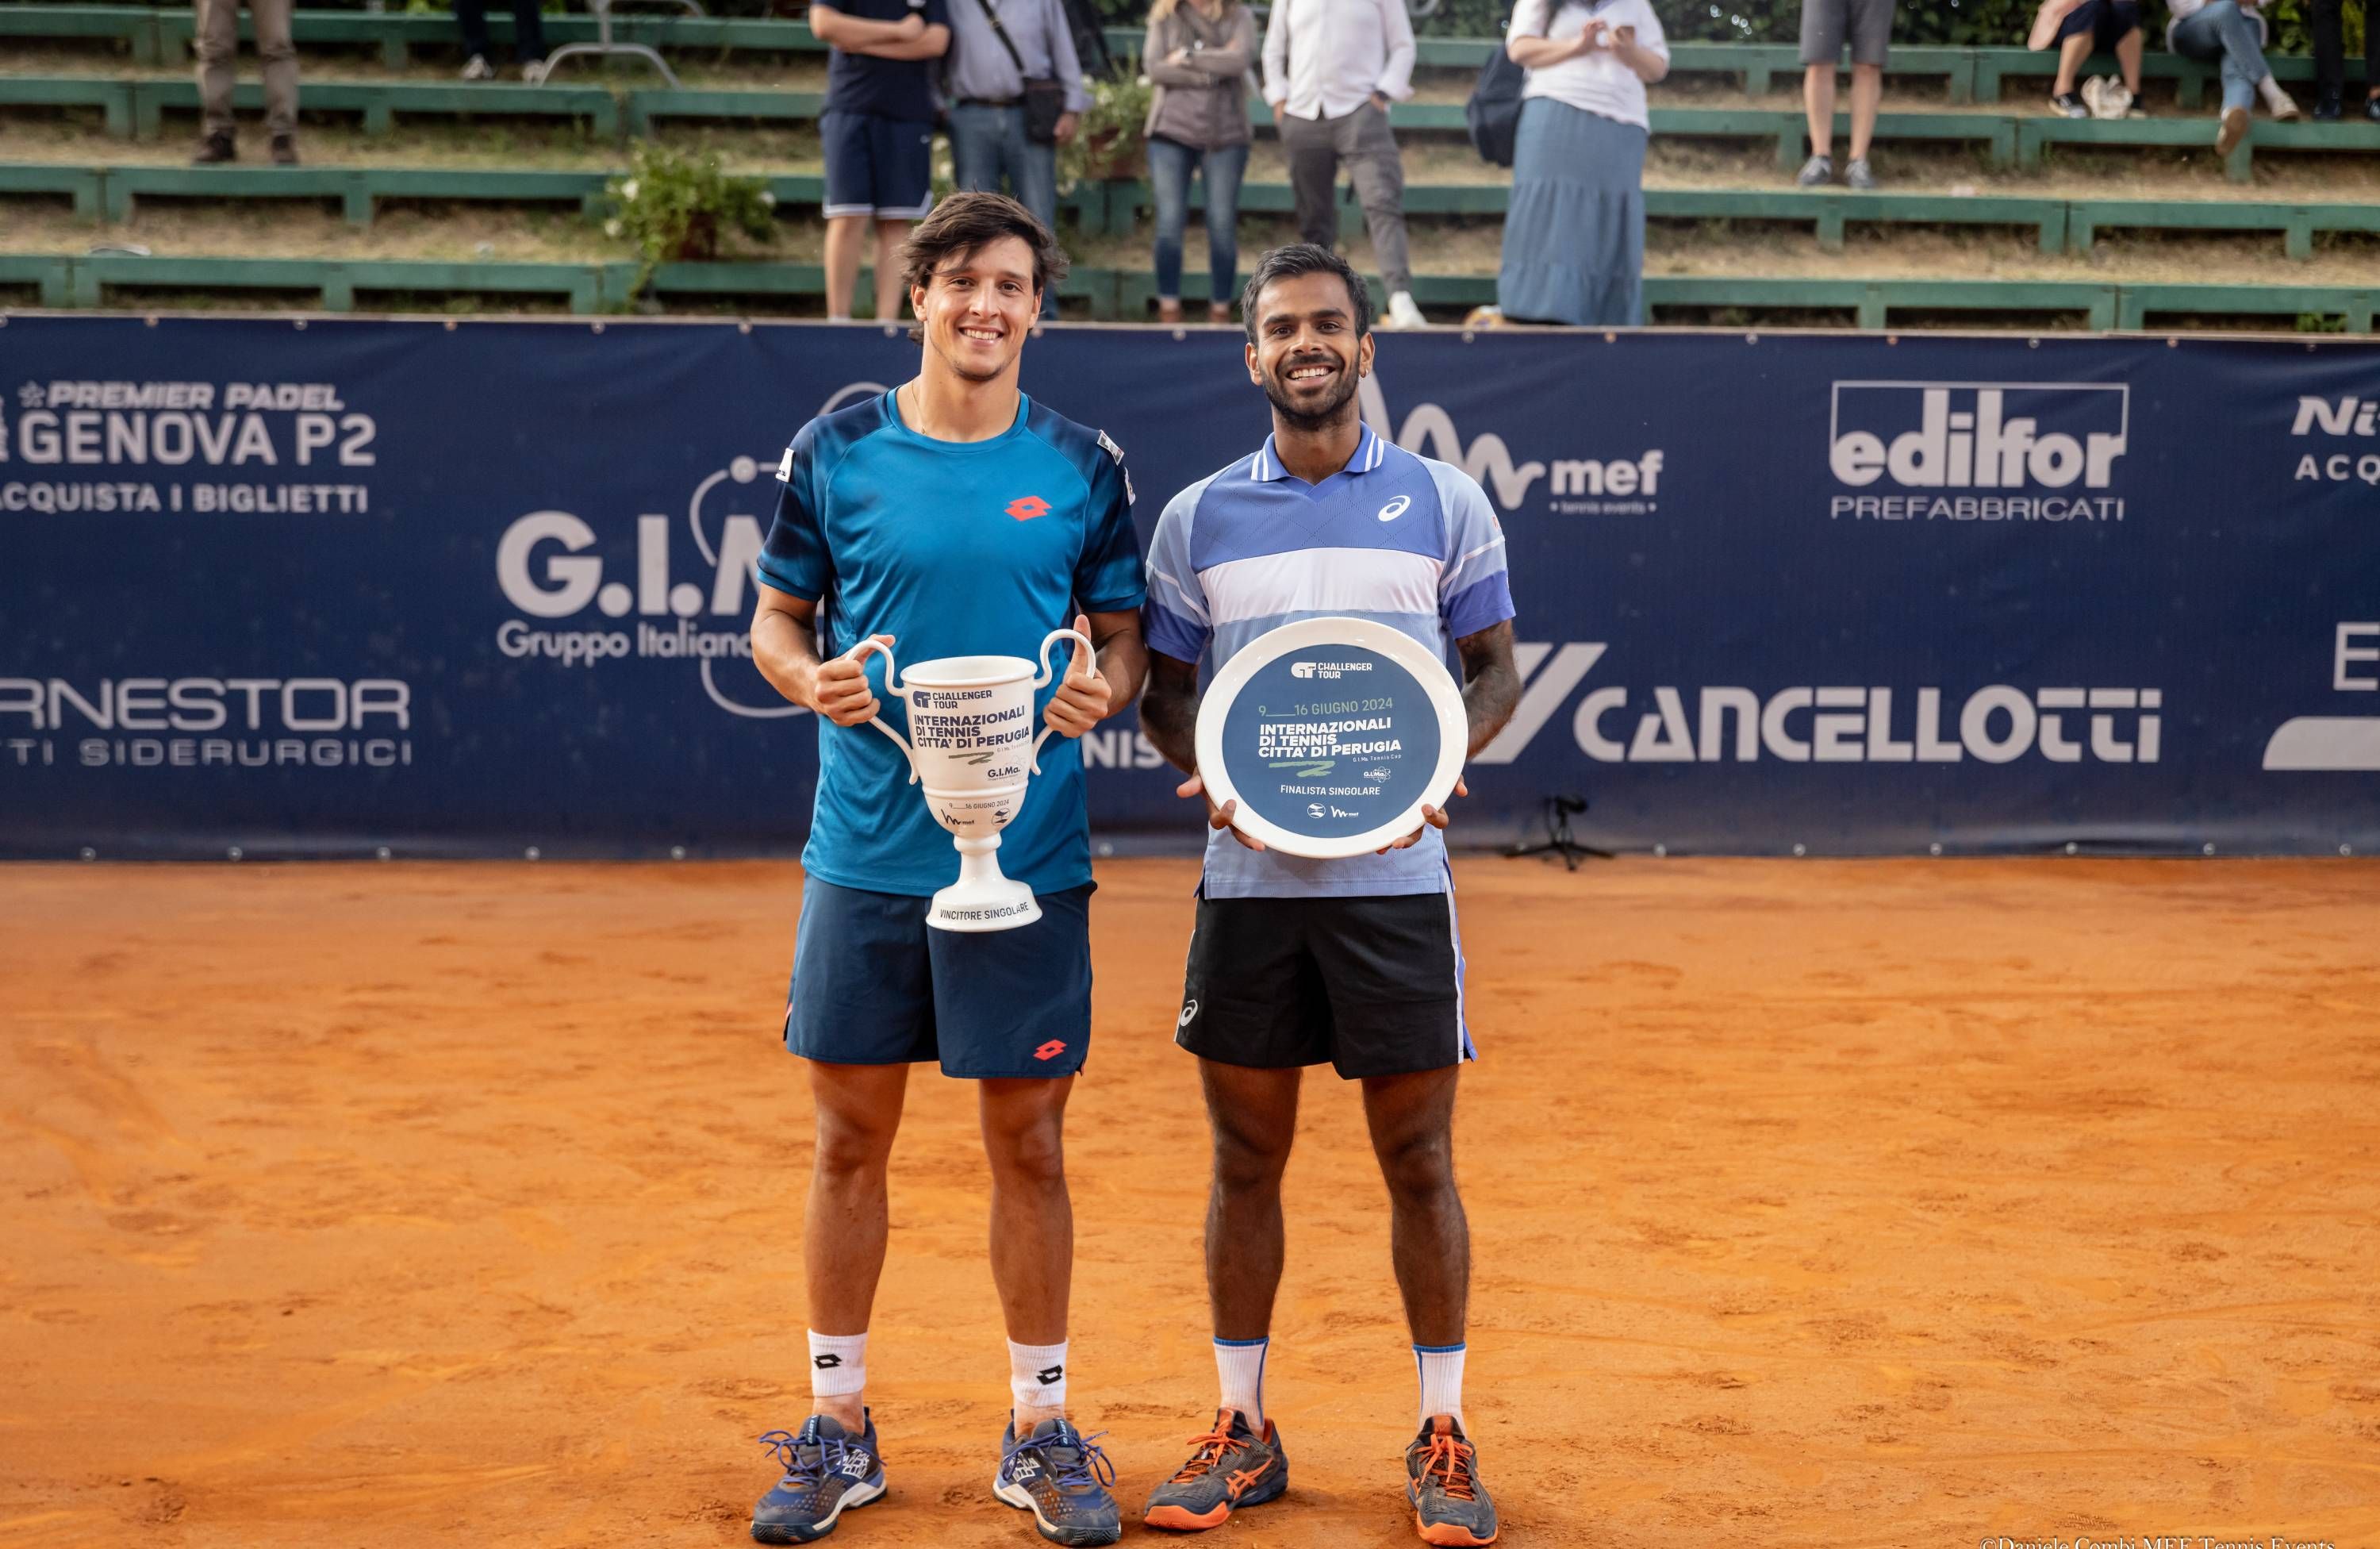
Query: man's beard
[(1331, 411)]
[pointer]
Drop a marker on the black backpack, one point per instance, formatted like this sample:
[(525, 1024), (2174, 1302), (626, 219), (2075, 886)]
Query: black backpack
[(1493, 113)]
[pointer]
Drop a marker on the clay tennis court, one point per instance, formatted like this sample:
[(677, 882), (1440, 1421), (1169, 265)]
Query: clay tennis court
[(1883, 1204)]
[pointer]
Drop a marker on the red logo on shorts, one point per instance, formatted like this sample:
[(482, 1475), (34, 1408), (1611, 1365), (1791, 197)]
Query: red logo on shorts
[(1051, 1050), (1027, 507)]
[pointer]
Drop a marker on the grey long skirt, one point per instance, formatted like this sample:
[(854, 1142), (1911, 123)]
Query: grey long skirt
[(1575, 234)]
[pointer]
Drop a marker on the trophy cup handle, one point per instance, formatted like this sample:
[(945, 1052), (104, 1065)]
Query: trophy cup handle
[(1046, 678), (860, 652)]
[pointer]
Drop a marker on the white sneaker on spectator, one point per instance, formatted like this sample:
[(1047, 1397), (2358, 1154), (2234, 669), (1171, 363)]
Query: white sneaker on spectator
[(478, 68), (1817, 171), (2277, 102), (1403, 313), (2230, 129), (1857, 175), (533, 71), (2069, 104)]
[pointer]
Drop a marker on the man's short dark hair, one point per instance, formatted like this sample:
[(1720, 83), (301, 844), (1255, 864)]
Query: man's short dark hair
[(1305, 257), (960, 225)]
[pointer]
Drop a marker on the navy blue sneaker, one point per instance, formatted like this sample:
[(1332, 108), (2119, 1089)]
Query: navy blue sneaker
[(827, 1471), (1450, 1504), (1061, 1477), (1232, 1467)]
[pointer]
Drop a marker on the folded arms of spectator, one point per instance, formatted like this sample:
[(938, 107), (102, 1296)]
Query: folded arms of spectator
[(1173, 62), (909, 38)]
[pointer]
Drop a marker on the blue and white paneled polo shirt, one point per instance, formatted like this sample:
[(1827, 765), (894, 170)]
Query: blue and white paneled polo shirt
[(1401, 539)]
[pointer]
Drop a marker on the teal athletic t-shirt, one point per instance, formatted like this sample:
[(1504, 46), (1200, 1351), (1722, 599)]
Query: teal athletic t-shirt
[(955, 549)]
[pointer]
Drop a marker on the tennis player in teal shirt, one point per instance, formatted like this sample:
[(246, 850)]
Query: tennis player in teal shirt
[(954, 516)]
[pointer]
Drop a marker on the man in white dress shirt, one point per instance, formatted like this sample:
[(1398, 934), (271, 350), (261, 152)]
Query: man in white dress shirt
[(1332, 67)]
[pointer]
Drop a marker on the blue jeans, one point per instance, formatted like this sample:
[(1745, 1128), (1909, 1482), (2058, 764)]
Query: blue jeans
[(2219, 30), (1171, 165), (989, 147)]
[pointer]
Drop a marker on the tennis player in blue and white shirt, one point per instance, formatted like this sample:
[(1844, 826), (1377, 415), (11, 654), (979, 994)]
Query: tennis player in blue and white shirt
[(1295, 962)]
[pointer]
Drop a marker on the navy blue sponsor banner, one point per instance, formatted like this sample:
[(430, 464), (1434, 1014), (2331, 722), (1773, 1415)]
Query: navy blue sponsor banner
[(321, 588)]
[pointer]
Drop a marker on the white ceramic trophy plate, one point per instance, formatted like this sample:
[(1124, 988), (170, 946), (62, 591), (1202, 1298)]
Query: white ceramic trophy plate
[(1355, 664)]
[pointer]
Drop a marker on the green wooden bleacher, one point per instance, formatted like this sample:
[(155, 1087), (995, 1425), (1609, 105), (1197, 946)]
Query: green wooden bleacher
[(136, 105), (380, 105), (80, 184), (335, 285), (112, 98), (110, 192)]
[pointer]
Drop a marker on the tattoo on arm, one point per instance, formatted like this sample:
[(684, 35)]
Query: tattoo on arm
[(1491, 684), (1168, 710)]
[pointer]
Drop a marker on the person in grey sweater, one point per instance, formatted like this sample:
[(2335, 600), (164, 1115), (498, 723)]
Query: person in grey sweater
[(1199, 52)]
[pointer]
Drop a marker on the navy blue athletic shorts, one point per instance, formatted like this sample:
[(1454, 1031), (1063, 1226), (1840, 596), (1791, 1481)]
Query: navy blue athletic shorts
[(881, 167), (874, 984), (2106, 20)]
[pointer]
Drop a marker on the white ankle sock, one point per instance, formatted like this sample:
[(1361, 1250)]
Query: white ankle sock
[(1441, 1380), (1239, 1371), (838, 1364), (1037, 1375)]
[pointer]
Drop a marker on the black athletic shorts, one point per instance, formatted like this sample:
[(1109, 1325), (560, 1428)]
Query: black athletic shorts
[(1372, 985)]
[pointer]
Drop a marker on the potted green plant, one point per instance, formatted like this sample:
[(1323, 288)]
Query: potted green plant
[(1107, 142), (680, 208)]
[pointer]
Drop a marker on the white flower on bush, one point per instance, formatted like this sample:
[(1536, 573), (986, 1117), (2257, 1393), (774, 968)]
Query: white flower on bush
[(629, 189), (768, 198), (613, 229)]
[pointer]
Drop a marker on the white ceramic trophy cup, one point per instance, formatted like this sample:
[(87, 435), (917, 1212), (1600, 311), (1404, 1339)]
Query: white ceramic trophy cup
[(971, 743)]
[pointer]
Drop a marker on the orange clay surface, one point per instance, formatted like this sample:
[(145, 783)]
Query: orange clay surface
[(1881, 1203)]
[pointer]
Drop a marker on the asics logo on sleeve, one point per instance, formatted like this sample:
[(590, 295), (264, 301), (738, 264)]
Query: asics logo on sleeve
[(1188, 1012), (1396, 507)]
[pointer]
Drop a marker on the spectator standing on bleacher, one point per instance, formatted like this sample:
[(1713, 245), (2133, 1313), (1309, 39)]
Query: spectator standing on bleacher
[(878, 133), (2330, 61), (1017, 91), (218, 44), (1827, 25), (1574, 238), (1199, 53), (1332, 67), (2234, 34), (2095, 26), (528, 40)]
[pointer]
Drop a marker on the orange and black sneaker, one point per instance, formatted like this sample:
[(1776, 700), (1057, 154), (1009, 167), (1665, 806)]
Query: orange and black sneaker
[(1442, 1485), (1231, 1467)]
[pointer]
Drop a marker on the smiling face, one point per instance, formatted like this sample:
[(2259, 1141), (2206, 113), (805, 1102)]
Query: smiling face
[(1306, 355), (976, 308)]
